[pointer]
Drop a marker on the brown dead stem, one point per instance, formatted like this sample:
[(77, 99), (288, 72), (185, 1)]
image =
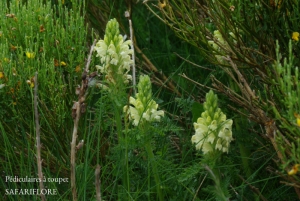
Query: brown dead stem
[(78, 108), (38, 138)]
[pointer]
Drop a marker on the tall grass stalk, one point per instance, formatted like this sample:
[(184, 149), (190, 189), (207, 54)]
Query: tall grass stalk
[(216, 177), (153, 163)]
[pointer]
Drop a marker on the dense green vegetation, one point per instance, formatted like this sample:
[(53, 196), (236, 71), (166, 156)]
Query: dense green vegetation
[(214, 113)]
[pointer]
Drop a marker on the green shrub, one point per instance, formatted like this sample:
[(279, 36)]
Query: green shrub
[(51, 40)]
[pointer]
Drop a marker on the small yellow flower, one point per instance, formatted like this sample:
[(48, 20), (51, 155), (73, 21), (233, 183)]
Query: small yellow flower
[(297, 118), (30, 82), (295, 36), (62, 63), (1, 75), (6, 60), (162, 5), (294, 170), (77, 69), (30, 55)]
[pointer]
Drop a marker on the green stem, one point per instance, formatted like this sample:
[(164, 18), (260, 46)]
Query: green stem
[(215, 175), (218, 186), (118, 124), (126, 159), (154, 169), (245, 153), (123, 158)]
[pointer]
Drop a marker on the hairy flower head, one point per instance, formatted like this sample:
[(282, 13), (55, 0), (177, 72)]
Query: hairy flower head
[(212, 130), (143, 107), (115, 55)]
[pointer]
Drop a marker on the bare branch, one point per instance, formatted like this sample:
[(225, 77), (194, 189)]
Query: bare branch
[(77, 109), (98, 183), (127, 15), (38, 138)]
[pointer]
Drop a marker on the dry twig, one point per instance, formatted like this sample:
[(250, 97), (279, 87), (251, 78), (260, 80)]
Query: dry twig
[(38, 137), (127, 15), (78, 108), (98, 183)]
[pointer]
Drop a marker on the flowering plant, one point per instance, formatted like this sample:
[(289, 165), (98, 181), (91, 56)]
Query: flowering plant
[(144, 107), (220, 45), (213, 131), (115, 55)]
